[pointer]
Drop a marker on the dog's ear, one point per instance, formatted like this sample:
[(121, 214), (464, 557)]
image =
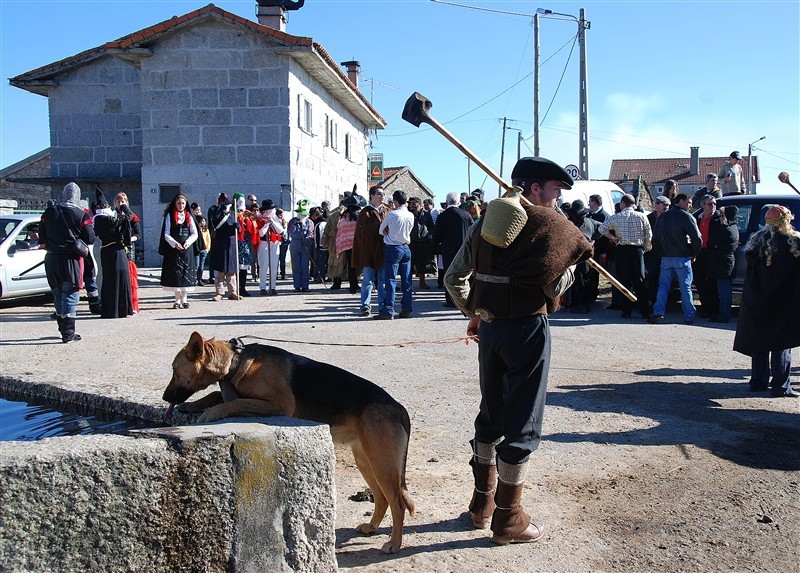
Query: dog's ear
[(194, 349)]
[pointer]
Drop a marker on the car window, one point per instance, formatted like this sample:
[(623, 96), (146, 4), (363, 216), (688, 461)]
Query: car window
[(6, 226), (744, 218)]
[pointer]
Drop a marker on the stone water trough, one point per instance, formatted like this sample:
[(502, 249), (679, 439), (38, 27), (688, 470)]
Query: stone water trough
[(247, 495)]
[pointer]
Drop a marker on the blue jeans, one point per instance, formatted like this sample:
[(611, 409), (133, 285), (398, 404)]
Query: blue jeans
[(780, 364), (680, 267), (398, 259), (66, 297), (299, 252), (725, 299), (366, 287), (200, 263)]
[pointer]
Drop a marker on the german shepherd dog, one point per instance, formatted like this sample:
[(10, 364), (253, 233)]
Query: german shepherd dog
[(269, 381)]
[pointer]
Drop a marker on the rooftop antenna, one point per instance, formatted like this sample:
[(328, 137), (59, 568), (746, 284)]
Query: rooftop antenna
[(372, 82)]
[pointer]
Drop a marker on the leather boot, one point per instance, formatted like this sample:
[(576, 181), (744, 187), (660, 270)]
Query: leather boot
[(242, 281), (510, 523), (337, 284), (482, 505), (60, 321), (68, 330)]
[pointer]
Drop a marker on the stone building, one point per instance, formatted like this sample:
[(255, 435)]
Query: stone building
[(395, 178), (201, 104), (26, 183)]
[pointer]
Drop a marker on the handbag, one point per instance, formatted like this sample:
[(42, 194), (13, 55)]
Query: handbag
[(79, 248)]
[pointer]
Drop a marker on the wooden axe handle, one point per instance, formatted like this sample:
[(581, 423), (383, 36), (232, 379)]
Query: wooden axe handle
[(499, 180)]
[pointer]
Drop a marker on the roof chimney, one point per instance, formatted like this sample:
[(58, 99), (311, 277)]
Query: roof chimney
[(694, 160), (353, 69), (272, 17)]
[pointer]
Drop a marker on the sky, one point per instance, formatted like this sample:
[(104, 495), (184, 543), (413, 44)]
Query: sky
[(662, 76)]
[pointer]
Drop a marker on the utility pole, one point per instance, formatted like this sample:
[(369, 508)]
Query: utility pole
[(502, 154), (519, 144), (751, 182), (583, 142), (536, 65)]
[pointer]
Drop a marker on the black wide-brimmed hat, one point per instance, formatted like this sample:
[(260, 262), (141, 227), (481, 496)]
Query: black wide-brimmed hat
[(542, 169)]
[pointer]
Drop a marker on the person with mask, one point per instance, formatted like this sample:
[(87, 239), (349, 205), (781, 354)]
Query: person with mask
[(114, 231), (301, 238), (66, 230)]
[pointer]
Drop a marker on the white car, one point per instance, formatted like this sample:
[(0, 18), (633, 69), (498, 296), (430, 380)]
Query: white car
[(21, 266)]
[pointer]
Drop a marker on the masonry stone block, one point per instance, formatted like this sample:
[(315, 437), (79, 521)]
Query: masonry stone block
[(99, 154), (104, 121), (137, 138), (214, 59), (243, 78), (273, 77), (131, 75), (123, 154), (241, 496), (227, 38), (262, 154), (205, 98), (166, 155), (78, 138), (204, 78), (268, 135), (147, 157), (167, 99), (163, 118), (65, 170), (176, 136), (115, 138), (72, 154), (112, 105), (110, 74), (263, 97), (157, 80), (165, 59), (233, 97), (205, 117), (131, 171), (236, 135), (81, 121), (260, 116), (127, 121), (98, 169), (261, 57), (208, 155), (193, 38)]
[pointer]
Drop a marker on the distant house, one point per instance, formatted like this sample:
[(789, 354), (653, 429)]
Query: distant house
[(395, 178), (201, 104), (690, 173), (20, 182)]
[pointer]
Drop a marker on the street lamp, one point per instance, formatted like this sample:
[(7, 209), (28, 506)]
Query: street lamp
[(583, 135), (751, 184)]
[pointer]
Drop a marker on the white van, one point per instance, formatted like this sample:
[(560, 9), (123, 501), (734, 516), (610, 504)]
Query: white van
[(609, 192)]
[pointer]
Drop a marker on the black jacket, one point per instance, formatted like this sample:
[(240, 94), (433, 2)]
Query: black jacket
[(723, 239), (448, 234), (677, 234)]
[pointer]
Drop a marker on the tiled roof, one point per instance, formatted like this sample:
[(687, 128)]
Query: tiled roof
[(151, 35), (659, 170), (391, 173)]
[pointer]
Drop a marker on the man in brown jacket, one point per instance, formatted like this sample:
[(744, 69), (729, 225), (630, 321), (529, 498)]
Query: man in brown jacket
[(507, 294), (368, 248)]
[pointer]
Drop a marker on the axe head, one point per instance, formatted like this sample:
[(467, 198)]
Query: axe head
[(416, 109)]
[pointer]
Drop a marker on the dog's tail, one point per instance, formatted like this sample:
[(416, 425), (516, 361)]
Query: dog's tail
[(407, 501)]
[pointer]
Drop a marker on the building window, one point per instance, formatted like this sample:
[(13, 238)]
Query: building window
[(331, 133), (305, 118), (348, 146), (167, 192)]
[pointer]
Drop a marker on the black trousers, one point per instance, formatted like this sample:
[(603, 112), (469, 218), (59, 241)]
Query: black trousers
[(630, 272), (706, 286), (514, 362)]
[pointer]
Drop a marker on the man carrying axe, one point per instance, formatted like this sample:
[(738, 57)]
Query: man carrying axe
[(507, 294)]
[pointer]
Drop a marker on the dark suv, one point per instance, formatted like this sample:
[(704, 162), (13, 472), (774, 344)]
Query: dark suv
[(752, 209)]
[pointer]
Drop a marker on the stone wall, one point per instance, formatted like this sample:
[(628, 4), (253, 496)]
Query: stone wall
[(27, 195), (95, 121), (228, 497)]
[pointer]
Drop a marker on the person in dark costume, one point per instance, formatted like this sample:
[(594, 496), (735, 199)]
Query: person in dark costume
[(65, 232), (767, 328), (136, 235), (114, 232), (507, 295), (723, 240), (222, 256), (178, 233)]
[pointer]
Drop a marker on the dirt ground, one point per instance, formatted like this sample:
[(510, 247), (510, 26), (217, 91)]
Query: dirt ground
[(655, 457)]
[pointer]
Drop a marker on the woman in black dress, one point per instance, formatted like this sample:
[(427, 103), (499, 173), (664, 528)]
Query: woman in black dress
[(179, 231), (114, 232)]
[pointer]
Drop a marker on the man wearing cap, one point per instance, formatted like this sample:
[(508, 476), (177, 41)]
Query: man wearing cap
[(632, 237), (711, 188), (680, 241), (507, 293), (731, 175), (448, 235), (767, 328)]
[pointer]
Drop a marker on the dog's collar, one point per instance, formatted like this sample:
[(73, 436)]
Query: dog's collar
[(238, 347)]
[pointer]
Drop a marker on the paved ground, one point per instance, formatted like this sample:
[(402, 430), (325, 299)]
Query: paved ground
[(655, 457)]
